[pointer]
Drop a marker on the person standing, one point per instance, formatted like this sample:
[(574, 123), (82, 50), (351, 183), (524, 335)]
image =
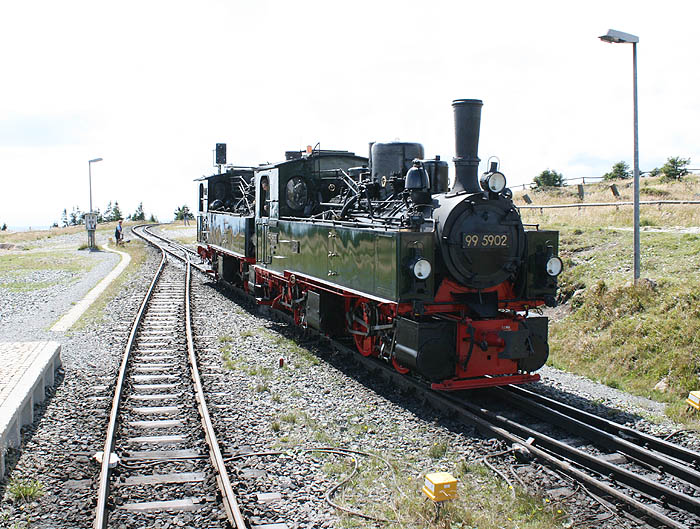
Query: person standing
[(119, 233)]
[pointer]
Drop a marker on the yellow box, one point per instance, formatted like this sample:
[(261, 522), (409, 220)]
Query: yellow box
[(440, 486), (694, 399)]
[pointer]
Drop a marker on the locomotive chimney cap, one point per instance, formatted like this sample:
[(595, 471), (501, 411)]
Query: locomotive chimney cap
[(457, 102)]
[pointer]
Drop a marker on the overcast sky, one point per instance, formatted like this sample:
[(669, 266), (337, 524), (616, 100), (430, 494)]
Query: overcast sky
[(151, 86)]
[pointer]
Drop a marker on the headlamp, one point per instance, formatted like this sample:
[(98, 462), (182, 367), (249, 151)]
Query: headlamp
[(554, 266), (493, 181), (422, 269)]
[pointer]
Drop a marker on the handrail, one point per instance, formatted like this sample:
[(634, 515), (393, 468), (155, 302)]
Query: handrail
[(599, 204)]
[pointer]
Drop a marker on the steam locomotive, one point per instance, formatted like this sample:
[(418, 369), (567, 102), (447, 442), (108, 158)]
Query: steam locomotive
[(442, 282)]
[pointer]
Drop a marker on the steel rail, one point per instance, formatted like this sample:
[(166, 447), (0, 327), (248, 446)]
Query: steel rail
[(182, 248), (175, 244), (101, 517), (647, 441), (602, 467), (233, 511), (609, 441), (445, 402)]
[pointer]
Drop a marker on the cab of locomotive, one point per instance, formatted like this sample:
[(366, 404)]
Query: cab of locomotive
[(300, 186)]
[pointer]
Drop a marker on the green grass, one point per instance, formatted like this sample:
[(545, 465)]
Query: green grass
[(289, 418), (438, 449), (44, 260), (287, 346), (483, 500), (24, 490), (27, 286), (626, 336), (241, 363)]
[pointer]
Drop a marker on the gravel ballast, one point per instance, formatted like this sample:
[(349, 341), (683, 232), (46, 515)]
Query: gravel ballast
[(317, 398)]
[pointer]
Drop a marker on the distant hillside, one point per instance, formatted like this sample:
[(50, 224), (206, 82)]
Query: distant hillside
[(643, 339)]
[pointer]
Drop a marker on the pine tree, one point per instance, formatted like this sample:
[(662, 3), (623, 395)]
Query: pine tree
[(675, 168), (619, 171), (64, 218), (74, 217), (116, 212), (108, 212), (139, 214)]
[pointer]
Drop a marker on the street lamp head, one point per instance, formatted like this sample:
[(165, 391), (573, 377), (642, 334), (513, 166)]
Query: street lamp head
[(95, 160), (616, 37)]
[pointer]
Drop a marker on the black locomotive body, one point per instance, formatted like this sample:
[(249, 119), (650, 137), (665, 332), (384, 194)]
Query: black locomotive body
[(436, 281)]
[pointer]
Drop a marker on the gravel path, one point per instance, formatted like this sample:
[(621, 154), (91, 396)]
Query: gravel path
[(27, 316), (318, 398)]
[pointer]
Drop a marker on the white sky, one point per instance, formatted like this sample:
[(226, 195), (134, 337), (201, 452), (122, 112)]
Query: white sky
[(151, 86)]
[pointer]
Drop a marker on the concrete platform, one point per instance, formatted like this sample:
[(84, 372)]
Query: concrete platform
[(26, 370)]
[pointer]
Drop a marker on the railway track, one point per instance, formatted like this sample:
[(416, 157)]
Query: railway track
[(652, 481), (160, 432), (177, 250)]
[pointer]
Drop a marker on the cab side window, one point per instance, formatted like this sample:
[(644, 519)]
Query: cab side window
[(264, 202)]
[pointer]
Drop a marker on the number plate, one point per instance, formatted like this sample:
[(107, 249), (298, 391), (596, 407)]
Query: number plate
[(485, 240)]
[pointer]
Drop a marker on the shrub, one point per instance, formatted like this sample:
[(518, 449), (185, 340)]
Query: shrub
[(675, 168), (620, 171), (549, 178), (654, 192)]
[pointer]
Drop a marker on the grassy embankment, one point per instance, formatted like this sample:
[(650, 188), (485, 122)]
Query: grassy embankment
[(644, 339)]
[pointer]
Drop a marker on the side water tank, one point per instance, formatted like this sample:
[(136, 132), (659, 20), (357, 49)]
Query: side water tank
[(393, 159), (438, 170)]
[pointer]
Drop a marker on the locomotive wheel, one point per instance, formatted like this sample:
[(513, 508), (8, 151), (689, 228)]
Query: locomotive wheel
[(366, 345), (401, 369)]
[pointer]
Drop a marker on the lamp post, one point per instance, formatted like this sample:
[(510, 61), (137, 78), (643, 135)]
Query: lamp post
[(617, 37), (90, 162), (91, 218)]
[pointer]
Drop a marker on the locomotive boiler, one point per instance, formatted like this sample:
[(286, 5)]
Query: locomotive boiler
[(442, 282)]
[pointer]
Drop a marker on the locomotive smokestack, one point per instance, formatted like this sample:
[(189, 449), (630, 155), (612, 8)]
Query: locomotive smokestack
[(467, 121)]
